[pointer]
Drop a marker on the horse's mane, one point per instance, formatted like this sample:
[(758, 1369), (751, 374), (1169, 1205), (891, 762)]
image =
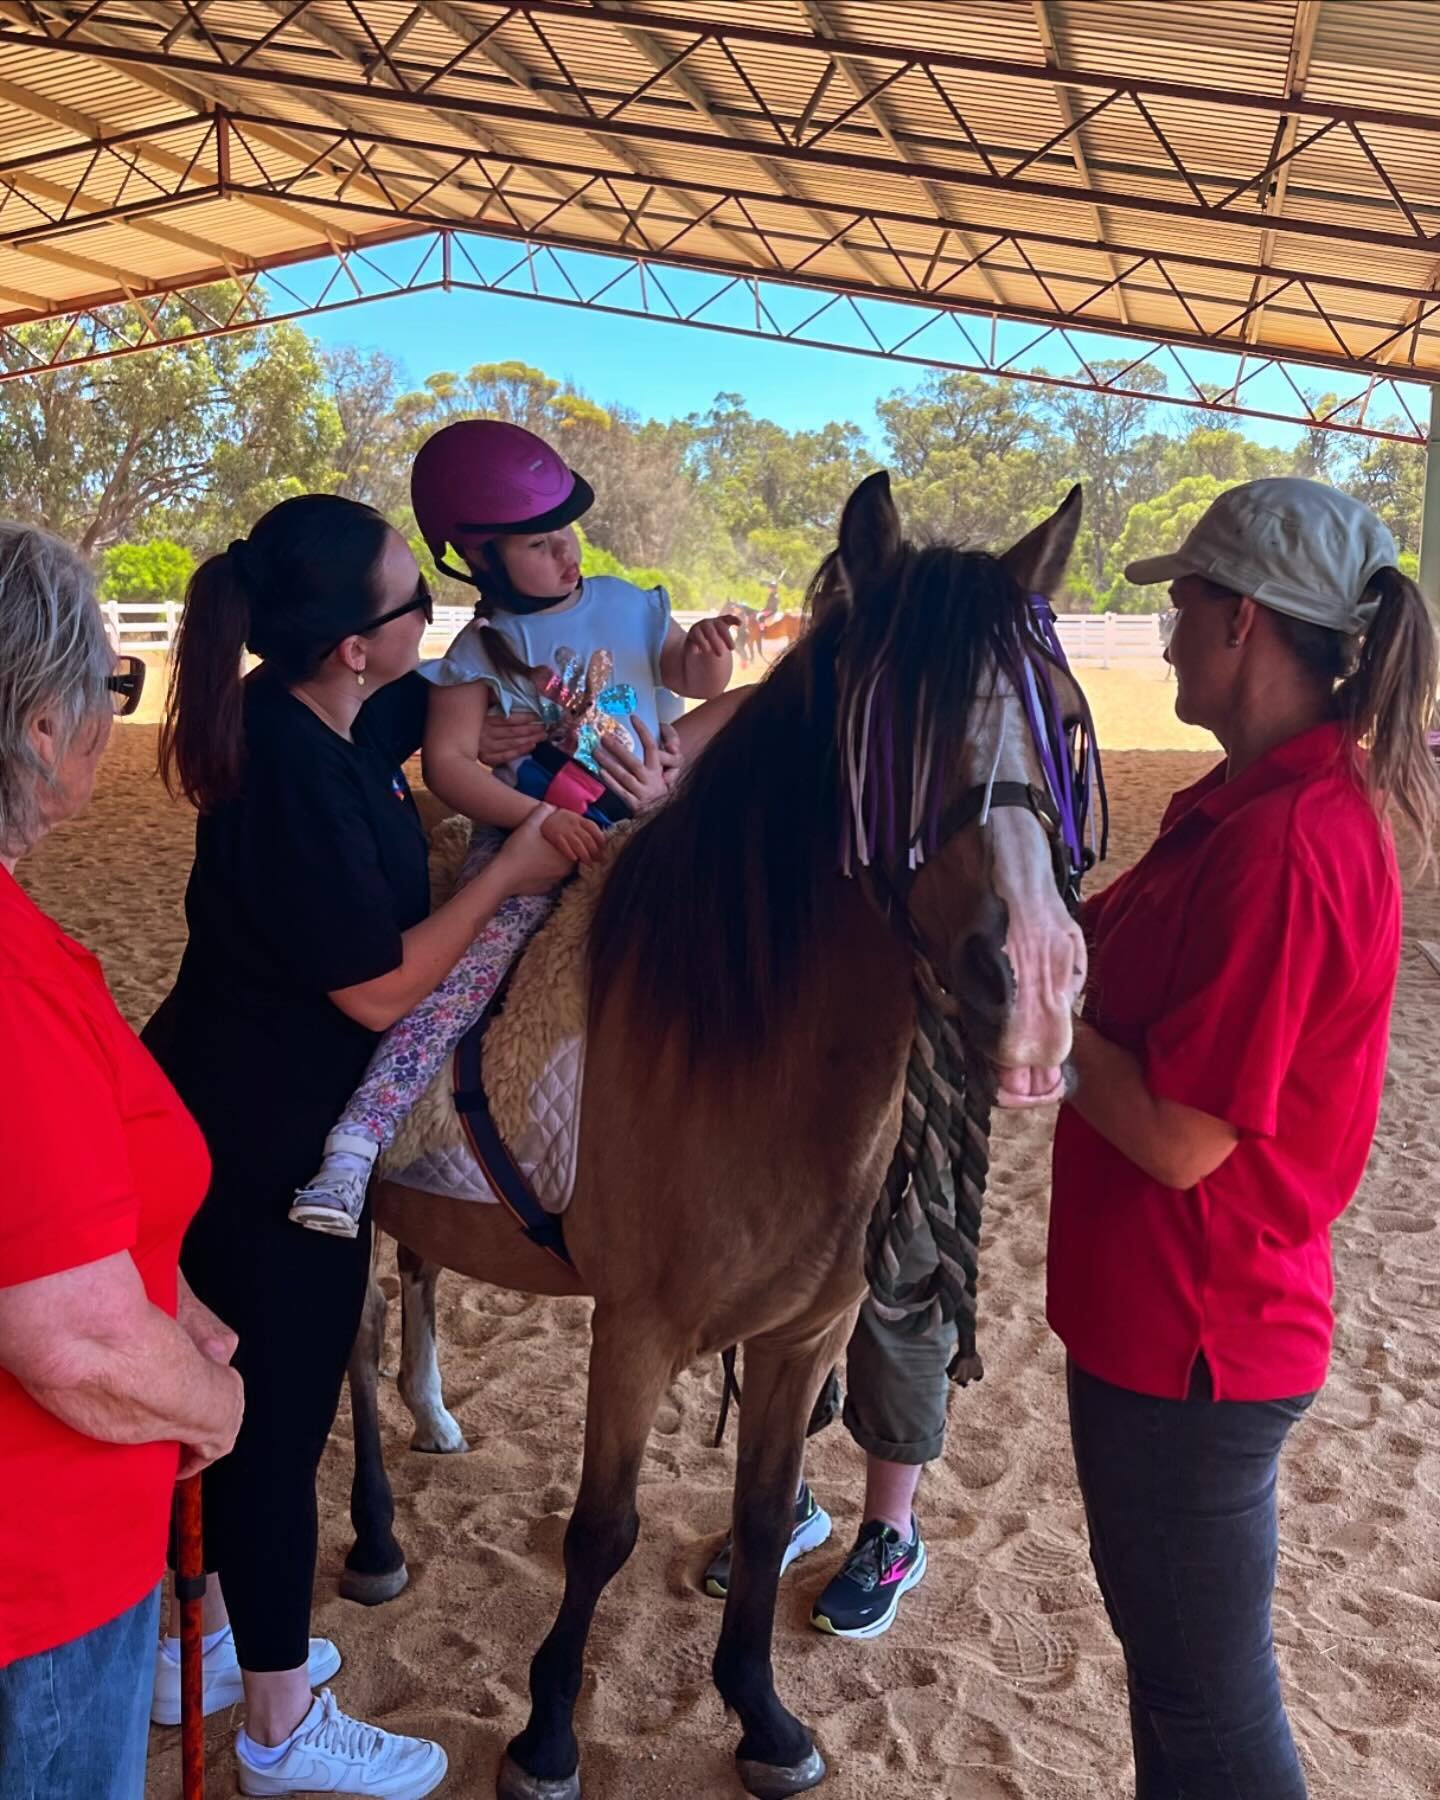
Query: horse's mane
[(846, 746)]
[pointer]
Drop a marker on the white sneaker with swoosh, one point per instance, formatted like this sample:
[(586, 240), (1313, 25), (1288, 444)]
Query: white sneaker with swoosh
[(221, 1669), (333, 1754)]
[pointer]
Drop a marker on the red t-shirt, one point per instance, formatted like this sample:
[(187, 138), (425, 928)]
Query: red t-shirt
[(1249, 961), (99, 1156)]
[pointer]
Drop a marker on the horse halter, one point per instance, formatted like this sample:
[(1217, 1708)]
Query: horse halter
[(1072, 808)]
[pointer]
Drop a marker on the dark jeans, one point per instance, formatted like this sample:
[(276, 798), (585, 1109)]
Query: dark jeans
[(75, 1720), (1180, 1501)]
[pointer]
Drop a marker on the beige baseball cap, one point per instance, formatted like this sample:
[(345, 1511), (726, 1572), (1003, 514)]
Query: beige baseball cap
[(1298, 547)]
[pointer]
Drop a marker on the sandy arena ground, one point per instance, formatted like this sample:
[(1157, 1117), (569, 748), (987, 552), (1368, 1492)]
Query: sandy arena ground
[(1000, 1681)]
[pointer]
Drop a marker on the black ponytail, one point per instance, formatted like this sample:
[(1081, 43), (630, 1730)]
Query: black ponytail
[(304, 579), (202, 742)]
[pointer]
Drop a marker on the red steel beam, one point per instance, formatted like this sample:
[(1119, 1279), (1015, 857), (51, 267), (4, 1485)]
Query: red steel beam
[(524, 287), (49, 226), (1046, 73), (737, 30), (339, 138), (593, 125), (1375, 359)]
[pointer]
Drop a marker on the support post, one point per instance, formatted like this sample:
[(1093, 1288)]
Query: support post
[(1430, 510)]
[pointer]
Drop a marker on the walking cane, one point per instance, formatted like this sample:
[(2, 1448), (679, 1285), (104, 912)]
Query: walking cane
[(190, 1591)]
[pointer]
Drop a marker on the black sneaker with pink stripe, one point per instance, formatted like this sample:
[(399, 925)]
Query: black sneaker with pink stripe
[(862, 1600)]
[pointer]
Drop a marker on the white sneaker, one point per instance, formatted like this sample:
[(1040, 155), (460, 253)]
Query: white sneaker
[(223, 1686), (333, 1754), (334, 1198)]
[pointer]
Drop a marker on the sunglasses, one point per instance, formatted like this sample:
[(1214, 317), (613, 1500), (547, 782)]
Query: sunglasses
[(419, 601), (126, 685)]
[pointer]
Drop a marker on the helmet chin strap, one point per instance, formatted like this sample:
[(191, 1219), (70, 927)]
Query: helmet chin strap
[(497, 586)]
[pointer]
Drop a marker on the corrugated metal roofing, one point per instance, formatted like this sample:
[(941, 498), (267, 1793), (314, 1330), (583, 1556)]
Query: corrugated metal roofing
[(1262, 174)]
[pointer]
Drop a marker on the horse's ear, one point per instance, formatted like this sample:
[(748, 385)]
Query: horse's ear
[(870, 535), (1038, 561)]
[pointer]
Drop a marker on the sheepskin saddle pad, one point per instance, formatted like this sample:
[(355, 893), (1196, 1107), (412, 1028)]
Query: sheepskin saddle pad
[(532, 1058)]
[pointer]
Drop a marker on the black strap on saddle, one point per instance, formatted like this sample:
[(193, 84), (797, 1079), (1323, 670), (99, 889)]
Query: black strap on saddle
[(488, 1147)]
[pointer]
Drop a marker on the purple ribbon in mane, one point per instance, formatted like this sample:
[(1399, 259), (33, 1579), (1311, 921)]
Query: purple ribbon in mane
[(1072, 770), (1069, 761)]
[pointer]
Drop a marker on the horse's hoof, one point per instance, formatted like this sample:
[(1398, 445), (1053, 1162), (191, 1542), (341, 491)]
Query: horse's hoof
[(515, 1783), (439, 1437), (767, 1781), (373, 1590)]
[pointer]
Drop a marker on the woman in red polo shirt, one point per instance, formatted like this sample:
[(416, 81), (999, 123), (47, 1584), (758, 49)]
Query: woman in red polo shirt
[(104, 1391), (1227, 1085)]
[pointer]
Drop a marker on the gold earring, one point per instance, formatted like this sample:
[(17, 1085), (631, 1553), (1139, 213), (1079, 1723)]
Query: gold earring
[(360, 677)]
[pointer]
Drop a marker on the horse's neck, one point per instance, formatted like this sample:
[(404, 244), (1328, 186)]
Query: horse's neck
[(846, 1038)]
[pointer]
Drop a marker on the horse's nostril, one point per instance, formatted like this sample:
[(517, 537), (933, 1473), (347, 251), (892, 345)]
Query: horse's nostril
[(989, 981)]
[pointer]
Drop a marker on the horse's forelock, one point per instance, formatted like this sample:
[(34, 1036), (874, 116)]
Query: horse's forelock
[(913, 655)]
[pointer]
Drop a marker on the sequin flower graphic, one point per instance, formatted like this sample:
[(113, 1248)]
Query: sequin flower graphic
[(581, 703)]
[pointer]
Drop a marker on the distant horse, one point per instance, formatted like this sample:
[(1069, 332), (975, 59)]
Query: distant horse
[(760, 628), (899, 864), (747, 637)]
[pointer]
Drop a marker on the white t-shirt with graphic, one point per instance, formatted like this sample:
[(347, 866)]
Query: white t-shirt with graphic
[(594, 662)]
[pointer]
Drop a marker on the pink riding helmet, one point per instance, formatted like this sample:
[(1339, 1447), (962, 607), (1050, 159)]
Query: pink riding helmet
[(479, 478)]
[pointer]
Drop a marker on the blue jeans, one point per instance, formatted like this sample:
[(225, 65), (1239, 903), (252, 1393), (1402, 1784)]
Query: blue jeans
[(1180, 1501), (75, 1720)]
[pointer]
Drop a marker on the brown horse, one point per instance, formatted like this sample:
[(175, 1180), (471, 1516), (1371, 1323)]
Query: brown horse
[(759, 631), (732, 959)]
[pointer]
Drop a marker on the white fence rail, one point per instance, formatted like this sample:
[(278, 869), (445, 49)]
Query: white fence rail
[(1103, 638), (142, 624), (1109, 637)]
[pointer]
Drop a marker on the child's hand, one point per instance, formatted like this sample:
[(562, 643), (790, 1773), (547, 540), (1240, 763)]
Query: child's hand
[(698, 662), (528, 863), (710, 639), (708, 658), (579, 839)]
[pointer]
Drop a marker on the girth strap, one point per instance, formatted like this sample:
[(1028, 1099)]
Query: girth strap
[(499, 1168)]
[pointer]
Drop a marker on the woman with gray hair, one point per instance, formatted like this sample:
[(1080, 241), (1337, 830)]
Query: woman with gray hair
[(113, 1377)]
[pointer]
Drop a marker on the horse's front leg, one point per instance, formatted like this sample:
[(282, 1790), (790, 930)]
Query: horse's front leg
[(777, 1755), (628, 1375), (420, 1386), (375, 1568)]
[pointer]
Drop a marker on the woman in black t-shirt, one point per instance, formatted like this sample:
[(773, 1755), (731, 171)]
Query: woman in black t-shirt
[(307, 908)]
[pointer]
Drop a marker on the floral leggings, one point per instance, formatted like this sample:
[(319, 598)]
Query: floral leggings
[(413, 1050)]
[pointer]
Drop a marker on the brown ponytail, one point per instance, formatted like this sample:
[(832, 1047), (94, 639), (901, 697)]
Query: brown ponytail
[(202, 738), (1389, 701), (492, 584)]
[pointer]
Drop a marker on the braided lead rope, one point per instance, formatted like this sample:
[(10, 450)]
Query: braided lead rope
[(937, 1173)]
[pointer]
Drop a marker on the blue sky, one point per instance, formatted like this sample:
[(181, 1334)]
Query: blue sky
[(663, 370)]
